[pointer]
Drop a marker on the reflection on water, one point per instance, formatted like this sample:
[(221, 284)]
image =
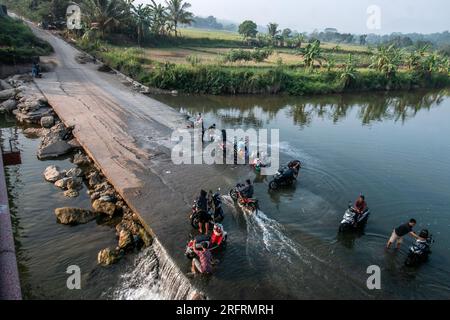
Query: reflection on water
[(372, 107)]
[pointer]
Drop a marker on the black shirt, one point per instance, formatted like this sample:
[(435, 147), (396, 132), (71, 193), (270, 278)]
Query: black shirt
[(403, 230)]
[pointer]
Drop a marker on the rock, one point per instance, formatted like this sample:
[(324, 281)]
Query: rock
[(107, 208), (71, 193), (107, 257), (81, 160), (103, 187), (74, 172), (4, 85), (33, 116), (94, 179), (7, 94), (74, 216), (75, 183), (125, 239), (8, 105), (53, 144), (53, 173), (62, 183), (47, 122), (54, 150)]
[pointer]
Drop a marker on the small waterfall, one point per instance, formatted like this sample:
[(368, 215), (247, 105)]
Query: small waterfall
[(154, 276)]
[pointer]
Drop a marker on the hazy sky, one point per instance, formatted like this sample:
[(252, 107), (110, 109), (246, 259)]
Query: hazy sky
[(424, 16)]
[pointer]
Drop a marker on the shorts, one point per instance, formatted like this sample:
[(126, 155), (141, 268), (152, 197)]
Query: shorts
[(394, 237)]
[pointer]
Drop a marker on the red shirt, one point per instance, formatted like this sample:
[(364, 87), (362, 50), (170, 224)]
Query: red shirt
[(360, 205), (216, 239)]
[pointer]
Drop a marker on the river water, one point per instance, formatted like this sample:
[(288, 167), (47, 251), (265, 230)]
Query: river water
[(393, 147)]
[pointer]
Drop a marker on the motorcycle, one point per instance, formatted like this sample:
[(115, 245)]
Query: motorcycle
[(419, 251), (348, 222), (215, 212), (200, 240), (247, 205), (286, 176)]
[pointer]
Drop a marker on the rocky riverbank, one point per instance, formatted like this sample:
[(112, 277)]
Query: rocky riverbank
[(20, 96)]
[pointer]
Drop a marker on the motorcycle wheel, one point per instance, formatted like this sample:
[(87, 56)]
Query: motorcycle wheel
[(273, 185), (233, 194)]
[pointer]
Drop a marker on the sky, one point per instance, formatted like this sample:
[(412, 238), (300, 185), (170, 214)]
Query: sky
[(354, 16)]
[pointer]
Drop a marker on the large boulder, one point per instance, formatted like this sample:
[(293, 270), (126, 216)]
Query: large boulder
[(7, 94), (54, 143), (53, 174), (107, 208), (74, 216), (107, 257), (8, 105), (54, 150)]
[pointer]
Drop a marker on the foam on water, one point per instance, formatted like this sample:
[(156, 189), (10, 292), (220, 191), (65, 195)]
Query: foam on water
[(154, 276)]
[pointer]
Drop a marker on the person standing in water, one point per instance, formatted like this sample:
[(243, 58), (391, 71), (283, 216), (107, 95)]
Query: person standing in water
[(400, 232)]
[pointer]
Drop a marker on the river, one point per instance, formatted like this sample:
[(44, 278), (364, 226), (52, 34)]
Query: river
[(392, 147)]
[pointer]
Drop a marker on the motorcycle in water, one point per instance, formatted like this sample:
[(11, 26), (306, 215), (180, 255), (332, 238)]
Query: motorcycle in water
[(420, 250), (286, 176), (215, 211), (348, 222), (217, 241), (247, 205)]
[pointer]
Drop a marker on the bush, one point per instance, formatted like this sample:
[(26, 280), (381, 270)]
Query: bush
[(18, 43), (257, 55)]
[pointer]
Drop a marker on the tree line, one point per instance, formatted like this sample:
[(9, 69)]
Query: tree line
[(104, 17)]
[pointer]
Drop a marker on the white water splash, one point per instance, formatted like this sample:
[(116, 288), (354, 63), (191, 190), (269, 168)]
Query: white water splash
[(154, 276)]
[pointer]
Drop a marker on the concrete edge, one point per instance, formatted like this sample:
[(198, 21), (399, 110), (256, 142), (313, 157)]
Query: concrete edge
[(9, 273)]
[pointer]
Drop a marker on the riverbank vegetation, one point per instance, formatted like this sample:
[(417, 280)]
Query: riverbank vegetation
[(154, 44), (18, 43)]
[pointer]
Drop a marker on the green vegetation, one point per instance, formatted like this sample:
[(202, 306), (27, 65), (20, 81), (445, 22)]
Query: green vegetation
[(153, 44), (18, 44)]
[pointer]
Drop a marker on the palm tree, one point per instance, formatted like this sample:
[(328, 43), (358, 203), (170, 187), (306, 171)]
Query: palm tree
[(272, 30), (142, 17), (159, 17), (178, 14), (105, 14)]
